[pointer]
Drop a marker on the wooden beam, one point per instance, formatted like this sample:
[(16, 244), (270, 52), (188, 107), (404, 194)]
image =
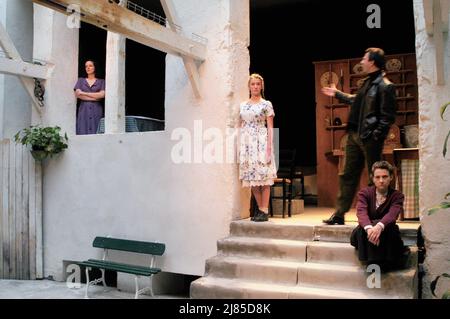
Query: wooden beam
[(428, 13), (445, 9), (189, 63), (438, 42), (170, 12), (430, 17), (115, 82), (11, 52), (112, 17), (20, 68), (194, 78)]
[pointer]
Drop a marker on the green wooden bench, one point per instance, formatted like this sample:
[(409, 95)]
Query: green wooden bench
[(142, 247)]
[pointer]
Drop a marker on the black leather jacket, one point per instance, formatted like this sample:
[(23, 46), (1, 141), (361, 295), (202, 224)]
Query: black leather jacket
[(373, 108)]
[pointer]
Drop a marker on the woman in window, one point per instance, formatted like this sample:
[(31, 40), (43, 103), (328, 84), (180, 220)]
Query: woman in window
[(91, 92)]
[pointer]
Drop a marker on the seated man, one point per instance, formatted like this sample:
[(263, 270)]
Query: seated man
[(377, 237)]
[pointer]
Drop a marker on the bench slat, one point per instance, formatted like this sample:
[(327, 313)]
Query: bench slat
[(130, 245), (130, 269), (116, 264)]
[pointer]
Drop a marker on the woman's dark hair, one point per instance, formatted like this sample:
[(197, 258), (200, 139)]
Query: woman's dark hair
[(377, 56)]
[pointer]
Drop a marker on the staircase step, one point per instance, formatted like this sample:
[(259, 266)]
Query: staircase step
[(262, 270), (332, 253), (347, 277), (282, 260), (409, 236), (212, 288), (335, 233), (400, 282), (341, 234), (271, 230), (282, 249)]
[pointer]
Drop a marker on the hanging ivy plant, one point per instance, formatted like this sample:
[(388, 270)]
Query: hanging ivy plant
[(44, 141)]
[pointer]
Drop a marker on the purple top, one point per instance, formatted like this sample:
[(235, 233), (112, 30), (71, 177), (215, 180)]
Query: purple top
[(386, 213), (89, 112)]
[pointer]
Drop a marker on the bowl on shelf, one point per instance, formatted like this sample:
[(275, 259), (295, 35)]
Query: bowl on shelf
[(393, 65), (411, 135), (358, 68)]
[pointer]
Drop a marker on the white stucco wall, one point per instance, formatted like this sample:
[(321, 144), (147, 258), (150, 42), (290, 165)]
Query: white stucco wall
[(126, 185), (434, 169), (15, 106)]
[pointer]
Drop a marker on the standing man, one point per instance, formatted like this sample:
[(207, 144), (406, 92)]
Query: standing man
[(371, 114)]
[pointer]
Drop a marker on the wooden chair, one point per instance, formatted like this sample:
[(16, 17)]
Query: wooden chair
[(285, 177)]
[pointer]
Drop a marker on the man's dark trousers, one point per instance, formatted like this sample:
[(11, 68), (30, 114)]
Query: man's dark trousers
[(357, 154)]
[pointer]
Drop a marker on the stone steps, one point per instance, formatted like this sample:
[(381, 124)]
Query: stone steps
[(269, 229), (336, 233), (401, 282), (257, 269), (331, 252), (268, 260), (288, 250), (224, 288)]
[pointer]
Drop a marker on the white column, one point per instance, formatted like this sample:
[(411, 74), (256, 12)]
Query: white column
[(2, 77), (55, 42), (115, 83), (17, 17)]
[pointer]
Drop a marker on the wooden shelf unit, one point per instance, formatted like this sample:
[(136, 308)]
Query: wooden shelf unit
[(328, 136)]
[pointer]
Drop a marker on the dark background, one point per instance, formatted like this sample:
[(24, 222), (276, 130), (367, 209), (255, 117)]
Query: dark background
[(287, 36)]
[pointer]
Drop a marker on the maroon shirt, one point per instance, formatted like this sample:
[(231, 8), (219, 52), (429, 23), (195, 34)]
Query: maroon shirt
[(387, 213)]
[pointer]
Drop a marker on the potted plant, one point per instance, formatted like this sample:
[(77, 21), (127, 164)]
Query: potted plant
[(44, 141)]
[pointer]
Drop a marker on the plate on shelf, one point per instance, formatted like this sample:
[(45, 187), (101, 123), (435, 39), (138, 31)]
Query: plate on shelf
[(358, 68), (327, 78), (393, 65)]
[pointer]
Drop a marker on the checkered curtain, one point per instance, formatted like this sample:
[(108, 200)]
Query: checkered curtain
[(410, 185)]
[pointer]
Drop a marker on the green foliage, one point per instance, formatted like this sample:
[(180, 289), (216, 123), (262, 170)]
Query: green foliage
[(433, 284), (443, 108), (441, 206), (45, 139)]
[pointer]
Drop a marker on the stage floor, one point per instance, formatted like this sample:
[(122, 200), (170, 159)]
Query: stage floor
[(314, 215)]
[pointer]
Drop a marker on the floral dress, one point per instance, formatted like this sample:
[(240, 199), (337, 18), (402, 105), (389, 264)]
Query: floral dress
[(253, 167)]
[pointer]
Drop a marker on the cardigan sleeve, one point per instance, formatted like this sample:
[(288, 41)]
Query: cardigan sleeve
[(362, 209), (395, 209)]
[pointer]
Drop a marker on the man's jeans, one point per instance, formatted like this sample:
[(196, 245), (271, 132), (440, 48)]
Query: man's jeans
[(356, 155)]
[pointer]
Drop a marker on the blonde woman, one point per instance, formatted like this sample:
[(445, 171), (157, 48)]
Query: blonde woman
[(256, 161)]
